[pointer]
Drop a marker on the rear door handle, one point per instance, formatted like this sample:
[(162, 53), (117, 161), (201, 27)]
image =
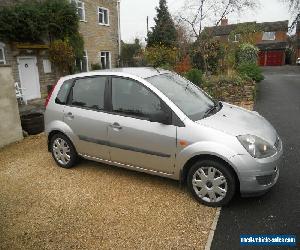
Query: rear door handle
[(69, 115), (115, 125)]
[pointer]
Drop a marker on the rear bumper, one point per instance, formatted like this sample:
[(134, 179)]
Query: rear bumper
[(257, 176)]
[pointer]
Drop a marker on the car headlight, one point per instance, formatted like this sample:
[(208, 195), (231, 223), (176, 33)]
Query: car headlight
[(256, 147)]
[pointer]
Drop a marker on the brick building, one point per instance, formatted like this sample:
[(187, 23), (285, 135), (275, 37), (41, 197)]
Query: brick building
[(100, 28), (271, 39)]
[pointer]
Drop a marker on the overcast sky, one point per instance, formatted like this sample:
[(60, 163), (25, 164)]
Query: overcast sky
[(135, 12)]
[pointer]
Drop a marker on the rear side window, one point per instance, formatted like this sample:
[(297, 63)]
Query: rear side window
[(89, 93), (63, 93)]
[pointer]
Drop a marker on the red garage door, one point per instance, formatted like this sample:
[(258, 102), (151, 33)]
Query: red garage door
[(271, 58), (275, 58)]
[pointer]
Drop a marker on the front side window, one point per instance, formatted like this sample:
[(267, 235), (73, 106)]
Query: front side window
[(132, 98), (80, 9), (268, 36), (103, 16), (186, 96), (89, 93), (2, 55), (105, 60)]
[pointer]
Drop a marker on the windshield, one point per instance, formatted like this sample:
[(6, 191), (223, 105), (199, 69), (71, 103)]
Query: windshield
[(185, 95)]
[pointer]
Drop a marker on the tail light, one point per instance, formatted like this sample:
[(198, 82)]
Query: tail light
[(49, 95)]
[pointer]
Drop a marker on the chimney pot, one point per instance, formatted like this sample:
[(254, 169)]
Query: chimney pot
[(224, 22)]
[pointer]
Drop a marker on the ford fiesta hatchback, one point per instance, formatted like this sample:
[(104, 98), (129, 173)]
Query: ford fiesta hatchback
[(157, 122)]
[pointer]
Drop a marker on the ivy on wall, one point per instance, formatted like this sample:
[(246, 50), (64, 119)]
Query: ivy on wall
[(36, 21)]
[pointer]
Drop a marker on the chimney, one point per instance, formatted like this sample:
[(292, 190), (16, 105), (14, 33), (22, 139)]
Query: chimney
[(224, 21)]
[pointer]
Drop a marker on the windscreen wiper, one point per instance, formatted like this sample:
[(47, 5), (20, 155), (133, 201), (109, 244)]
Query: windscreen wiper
[(212, 109)]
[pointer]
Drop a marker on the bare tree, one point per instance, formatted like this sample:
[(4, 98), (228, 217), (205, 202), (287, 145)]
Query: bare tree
[(196, 13), (294, 8)]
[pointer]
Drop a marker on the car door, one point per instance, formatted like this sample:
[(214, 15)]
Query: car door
[(133, 139), (85, 114)]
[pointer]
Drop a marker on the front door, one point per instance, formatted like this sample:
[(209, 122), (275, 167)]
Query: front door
[(133, 139), (29, 77), (84, 115)]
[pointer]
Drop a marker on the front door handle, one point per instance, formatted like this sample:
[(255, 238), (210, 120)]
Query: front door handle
[(115, 125), (69, 115)]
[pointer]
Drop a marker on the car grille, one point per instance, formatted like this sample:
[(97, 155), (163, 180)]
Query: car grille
[(266, 179)]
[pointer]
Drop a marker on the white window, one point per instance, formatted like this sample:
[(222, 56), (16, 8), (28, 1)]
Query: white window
[(85, 62), (2, 54), (105, 60), (80, 9), (267, 36), (103, 16), (237, 37), (47, 66)]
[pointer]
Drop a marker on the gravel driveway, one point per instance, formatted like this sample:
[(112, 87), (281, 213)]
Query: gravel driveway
[(92, 206)]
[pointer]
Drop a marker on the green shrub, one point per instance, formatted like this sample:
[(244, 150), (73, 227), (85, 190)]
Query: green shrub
[(195, 76), (246, 53), (229, 88), (62, 55), (160, 55), (251, 70), (95, 66)]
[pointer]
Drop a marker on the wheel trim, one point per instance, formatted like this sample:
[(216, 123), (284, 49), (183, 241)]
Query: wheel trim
[(61, 151), (210, 184)]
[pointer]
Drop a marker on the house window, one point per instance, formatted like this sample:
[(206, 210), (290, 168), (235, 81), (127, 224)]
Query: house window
[(85, 62), (80, 9), (103, 16), (47, 66), (237, 37), (268, 36), (2, 54), (105, 60)]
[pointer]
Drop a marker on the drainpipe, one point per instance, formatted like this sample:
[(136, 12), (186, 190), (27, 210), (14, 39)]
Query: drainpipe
[(119, 30)]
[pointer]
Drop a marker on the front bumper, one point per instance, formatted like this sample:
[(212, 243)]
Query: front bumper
[(256, 176)]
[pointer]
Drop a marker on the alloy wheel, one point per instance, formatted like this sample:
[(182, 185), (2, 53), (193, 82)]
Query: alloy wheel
[(61, 151)]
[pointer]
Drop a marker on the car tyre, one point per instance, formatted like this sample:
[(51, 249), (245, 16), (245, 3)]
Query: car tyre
[(211, 182), (63, 151)]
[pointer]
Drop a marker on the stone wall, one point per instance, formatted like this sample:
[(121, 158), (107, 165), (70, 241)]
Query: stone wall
[(12, 54), (98, 37), (10, 125)]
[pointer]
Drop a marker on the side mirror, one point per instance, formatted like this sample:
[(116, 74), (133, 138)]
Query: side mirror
[(161, 117)]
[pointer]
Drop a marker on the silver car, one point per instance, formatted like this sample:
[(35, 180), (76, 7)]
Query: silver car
[(155, 121)]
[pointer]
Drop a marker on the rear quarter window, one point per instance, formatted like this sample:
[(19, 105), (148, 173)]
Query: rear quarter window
[(63, 92)]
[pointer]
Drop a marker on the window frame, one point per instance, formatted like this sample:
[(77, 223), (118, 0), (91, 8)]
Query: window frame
[(2, 49), (87, 62), (98, 14), (174, 120), (82, 8), (109, 56), (269, 32), (237, 38), (106, 97)]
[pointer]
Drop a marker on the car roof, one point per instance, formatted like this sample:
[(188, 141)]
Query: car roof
[(142, 72)]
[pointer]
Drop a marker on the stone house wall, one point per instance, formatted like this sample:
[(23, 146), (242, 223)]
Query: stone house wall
[(12, 54), (98, 37)]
